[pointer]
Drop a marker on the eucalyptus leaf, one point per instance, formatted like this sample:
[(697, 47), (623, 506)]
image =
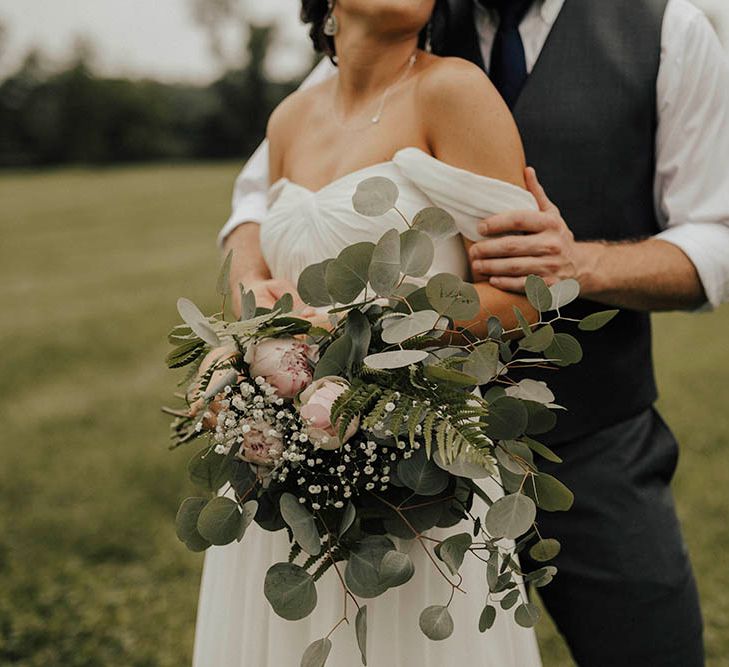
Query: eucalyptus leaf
[(312, 285), (290, 590), (416, 253), (446, 374), (209, 470), (362, 574), (422, 475), (224, 275), (510, 516), (375, 196), (597, 321), (543, 451), (410, 326), (522, 320), (564, 293), (527, 615), (453, 550), (531, 390), (549, 493), (462, 467), (219, 384), (302, 524), (285, 304), (396, 569), (347, 275), (436, 223), (221, 522), (336, 359), (483, 362), (248, 306), (494, 327), (564, 350), (358, 328), (539, 340), (545, 550), (487, 618), (186, 524), (317, 653), (510, 599), (350, 514), (507, 420), (384, 272), (395, 359), (538, 293), (436, 623), (541, 418), (194, 318), (360, 628), (452, 297)]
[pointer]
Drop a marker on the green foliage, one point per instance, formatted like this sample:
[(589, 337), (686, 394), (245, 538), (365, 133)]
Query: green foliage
[(290, 590), (302, 524), (436, 622)]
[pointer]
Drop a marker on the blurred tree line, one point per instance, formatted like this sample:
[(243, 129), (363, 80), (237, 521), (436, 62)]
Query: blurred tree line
[(74, 116)]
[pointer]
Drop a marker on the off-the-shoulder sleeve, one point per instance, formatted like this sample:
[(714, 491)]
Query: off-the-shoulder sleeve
[(468, 197)]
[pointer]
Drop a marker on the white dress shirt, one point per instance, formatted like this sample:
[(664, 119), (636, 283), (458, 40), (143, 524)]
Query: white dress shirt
[(692, 139)]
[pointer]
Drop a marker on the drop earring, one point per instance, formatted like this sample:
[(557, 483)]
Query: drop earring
[(331, 25), (428, 48)]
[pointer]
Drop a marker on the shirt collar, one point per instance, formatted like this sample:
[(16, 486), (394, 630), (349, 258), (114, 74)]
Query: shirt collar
[(549, 11)]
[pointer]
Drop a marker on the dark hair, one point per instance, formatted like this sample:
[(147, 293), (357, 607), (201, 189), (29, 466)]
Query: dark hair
[(315, 13)]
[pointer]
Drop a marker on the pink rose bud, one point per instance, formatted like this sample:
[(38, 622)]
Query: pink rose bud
[(285, 363), (316, 409), (262, 445)]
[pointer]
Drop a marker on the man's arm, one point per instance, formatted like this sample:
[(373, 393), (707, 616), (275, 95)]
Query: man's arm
[(683, 267)]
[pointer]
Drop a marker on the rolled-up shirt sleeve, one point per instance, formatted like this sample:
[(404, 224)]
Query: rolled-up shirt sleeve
[(250, 194), (692, 146)]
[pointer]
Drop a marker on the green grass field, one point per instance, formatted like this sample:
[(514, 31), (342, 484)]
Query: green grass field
[(91, 573)]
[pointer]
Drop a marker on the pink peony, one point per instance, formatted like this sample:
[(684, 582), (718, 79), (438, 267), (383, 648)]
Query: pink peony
[(285, 363), (316, 409), (262, 445)]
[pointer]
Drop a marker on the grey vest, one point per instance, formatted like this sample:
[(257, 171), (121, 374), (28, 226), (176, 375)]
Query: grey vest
[(587, 116)]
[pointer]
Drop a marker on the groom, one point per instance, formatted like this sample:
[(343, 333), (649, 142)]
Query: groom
[(623, 106)]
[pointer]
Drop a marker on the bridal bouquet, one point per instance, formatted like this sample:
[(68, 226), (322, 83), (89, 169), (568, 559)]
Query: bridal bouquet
[(372, 427)]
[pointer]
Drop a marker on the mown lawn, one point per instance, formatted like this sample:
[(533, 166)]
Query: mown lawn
[(91, 573)]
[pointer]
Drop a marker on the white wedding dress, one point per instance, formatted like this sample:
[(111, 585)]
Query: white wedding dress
[(235, 624)]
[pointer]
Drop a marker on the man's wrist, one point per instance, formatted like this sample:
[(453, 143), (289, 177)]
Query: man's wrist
[(589, 256)]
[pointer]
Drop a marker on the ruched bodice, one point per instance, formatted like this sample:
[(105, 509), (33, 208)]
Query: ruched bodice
[(304, 226)]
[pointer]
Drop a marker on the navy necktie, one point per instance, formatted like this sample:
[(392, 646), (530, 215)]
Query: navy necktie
[(508, 69)]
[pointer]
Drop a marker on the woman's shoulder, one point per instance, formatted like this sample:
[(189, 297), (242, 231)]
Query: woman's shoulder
[(457, 80), (294, 109)]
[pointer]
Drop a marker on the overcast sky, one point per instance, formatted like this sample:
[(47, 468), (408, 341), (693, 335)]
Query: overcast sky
[(158, 38)]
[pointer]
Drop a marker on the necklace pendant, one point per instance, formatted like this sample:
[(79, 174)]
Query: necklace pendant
[(376, 119)]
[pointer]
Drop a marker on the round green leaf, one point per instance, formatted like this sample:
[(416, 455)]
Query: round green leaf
[(507, 420), (549, 493), (541, 418), (452, 297), (358, 328), (290, 590), (375, 196), (436, 623), (347, 275), (483, 362), (539, 340), (487, 619), (531, 390), (209, 470), (511, 516), (395, 359), (564, 293), (422, 475), (564, 350), (396, 569), (436, 223), (453, 550), (302, 524), (221, 522), (527, 615), (384, 272), (444, 374), (317, 653), (510, 599), (597, 320), (336, 358), (350, 514), (410, 326), (545, 550), (416, 253), (186, 524), (362, 573), (538, 293), (312, 285)]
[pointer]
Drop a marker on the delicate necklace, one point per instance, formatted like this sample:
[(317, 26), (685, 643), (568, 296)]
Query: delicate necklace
[(381, 107)]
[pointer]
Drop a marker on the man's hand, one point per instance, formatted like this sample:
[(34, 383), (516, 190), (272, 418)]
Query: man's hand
[(520, 243)]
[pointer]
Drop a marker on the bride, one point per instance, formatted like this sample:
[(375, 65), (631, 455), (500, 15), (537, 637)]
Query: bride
[(439, 130)]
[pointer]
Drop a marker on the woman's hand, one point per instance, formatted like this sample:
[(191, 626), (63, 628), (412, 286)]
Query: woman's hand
[(268, 292)]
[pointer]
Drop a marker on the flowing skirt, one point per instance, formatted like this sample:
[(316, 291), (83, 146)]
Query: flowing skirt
[(236, 627)]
